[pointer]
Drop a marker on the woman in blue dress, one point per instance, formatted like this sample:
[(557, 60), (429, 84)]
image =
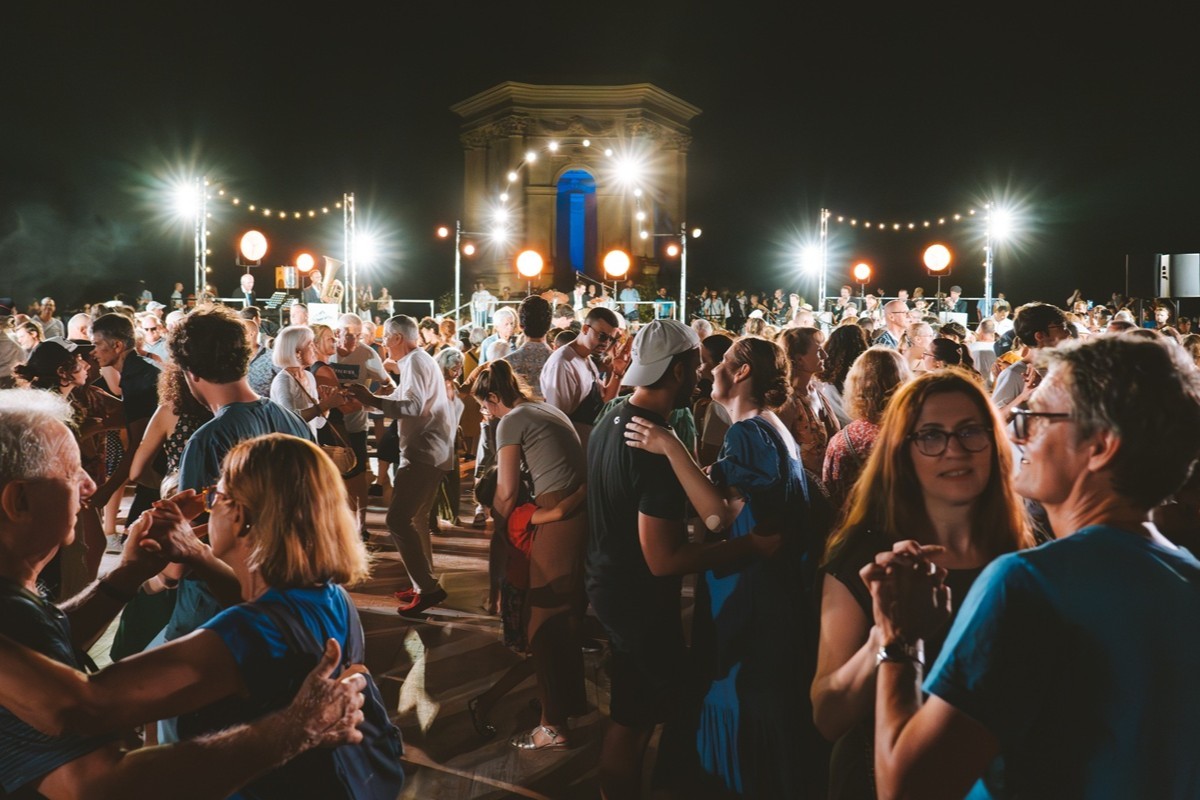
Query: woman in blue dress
[(754, 641)]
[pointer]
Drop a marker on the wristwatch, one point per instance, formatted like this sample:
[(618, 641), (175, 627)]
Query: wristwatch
[(900, 650)]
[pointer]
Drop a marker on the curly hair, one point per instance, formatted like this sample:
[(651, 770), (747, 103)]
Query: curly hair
[(174, 393), (211, 345), (873, 379), (845, 345)]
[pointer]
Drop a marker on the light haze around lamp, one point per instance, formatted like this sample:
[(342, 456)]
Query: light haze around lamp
[(937, 261), (616, 265), (529, 266), (862, 275)]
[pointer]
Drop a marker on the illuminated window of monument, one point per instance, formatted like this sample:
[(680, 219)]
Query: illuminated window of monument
[(575, 234)]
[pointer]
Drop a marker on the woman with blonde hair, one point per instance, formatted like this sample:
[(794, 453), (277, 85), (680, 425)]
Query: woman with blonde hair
[(938, 475), (279, 522), (295, 387)]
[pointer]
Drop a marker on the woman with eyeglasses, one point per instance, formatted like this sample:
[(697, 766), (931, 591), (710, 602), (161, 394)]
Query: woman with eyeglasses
[(937, 475), (279, 520)]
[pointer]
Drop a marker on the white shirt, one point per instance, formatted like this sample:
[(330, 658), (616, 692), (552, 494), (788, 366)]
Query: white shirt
[(296, 395), (425, 418), (1003, 326), (568, 378)]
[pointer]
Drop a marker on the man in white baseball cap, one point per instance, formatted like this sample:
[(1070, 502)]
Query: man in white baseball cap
[(638, 550)]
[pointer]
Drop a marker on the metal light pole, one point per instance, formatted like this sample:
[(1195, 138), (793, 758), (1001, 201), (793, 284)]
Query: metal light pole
[(682, 310), (349, 256), (821, 287), (458, 268), (200, 234), (987, 261)]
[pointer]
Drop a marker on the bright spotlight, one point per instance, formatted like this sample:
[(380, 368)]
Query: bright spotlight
[(529, 264), (253, 246), (672, 250), (186, 200), (305, 262), (530, 157), (1001, 223), (616, 263), (366, 250), (628, 171), (862, 272), (500, 215), (468, 249), (937, 257), (810, 259), (443, 232)]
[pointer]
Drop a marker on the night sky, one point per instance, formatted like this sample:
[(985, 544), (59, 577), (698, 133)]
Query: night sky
[(1088, 124)]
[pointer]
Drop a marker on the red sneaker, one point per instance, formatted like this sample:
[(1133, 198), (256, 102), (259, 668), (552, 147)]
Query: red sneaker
[(407, 595), (423, 602)]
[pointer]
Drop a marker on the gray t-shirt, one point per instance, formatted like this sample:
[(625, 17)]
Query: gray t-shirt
[(549, 444), (370, 367)]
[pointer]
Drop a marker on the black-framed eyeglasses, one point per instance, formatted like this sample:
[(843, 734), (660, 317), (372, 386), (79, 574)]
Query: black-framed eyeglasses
[(934, 441), (605, 338), (1022, 417), (211, 496)]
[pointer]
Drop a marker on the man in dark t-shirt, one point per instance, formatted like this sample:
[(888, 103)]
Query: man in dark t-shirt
[(638, 550)]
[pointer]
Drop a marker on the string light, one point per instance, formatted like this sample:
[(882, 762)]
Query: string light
[(843, 219), (218, 194)]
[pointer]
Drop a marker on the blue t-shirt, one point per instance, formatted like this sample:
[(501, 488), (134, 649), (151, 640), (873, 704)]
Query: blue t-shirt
[(200, 465), (1082, 657), (264, 660)]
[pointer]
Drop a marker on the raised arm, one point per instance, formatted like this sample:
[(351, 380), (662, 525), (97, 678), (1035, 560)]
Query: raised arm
[(715, 507), (843, 688)]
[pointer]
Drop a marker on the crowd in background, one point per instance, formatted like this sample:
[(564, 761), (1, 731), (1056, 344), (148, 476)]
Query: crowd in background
[(859, 490)]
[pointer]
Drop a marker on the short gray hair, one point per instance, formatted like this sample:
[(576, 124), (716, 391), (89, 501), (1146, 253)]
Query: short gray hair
[(26, 418), (504, 312), (349, 320), (403, 325), (1145, 390), (287, 342)]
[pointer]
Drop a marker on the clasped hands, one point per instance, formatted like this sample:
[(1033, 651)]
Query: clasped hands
[(909, 596), (164, 534)]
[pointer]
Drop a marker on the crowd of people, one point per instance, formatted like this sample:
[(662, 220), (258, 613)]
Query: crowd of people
[(930, 557)]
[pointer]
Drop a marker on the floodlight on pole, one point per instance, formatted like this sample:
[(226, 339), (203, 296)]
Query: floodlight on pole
[(529, 266), (460, 250), (616, 265), (253, 246), (937, 261), (862, 274)]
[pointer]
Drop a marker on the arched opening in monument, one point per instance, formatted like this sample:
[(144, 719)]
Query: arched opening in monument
[(575, 226)]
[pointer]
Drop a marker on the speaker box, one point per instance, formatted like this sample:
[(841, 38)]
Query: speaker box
[(1179, 275)]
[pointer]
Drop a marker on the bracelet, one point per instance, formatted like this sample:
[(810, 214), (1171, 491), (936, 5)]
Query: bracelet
[(899, 650), (108, 590)]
